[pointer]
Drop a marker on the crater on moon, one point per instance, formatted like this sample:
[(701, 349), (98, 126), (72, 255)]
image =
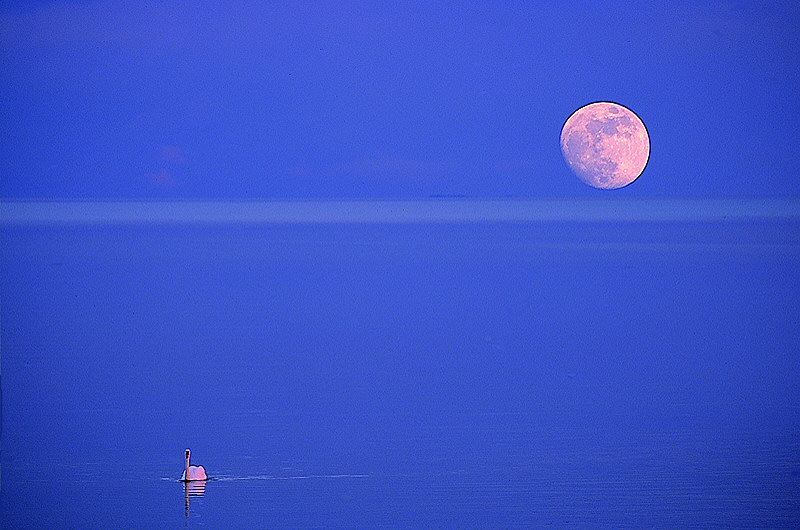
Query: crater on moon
[(605, 144)]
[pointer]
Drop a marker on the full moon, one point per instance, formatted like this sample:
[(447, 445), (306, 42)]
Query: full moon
[(605, 144)]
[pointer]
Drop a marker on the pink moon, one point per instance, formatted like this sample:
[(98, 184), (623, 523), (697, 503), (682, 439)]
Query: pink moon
[(605, 144)]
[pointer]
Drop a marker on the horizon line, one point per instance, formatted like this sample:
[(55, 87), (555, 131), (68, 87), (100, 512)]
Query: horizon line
[(382, 211)]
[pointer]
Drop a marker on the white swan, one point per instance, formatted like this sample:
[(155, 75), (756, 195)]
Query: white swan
[(193, 472)]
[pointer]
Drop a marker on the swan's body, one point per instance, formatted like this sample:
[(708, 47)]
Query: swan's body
[(193, 472)]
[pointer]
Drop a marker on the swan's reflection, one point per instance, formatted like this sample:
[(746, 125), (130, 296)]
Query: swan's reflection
[(195, 488)]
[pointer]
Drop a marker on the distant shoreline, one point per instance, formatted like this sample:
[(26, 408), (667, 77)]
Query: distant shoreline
[(432, 210)]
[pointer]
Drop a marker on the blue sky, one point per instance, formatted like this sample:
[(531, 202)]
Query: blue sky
[(221, 100)]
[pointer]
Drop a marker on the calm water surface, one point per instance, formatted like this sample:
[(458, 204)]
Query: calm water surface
[(565, 374)]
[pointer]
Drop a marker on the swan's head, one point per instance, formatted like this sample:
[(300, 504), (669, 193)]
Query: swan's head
[(187, 454)]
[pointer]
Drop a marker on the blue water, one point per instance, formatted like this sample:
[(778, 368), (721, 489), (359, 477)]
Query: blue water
[(456, 375)]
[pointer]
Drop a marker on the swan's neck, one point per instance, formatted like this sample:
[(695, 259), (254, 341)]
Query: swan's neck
[(186, 474)]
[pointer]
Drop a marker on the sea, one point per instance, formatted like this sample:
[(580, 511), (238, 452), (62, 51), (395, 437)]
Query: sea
[(554, 372)]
